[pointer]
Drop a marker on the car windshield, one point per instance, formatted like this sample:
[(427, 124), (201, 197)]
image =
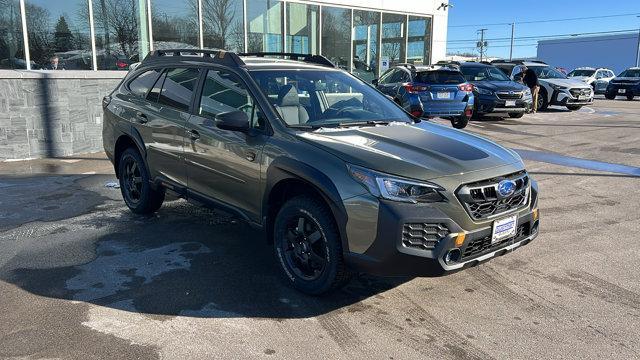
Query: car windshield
[(317, 98), (632, 73), (581, 73), (440, 77), (477, 73), (547, 72)]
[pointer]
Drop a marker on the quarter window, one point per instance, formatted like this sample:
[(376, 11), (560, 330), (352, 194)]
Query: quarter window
[(140, 85), (178, 86), (224, 92)]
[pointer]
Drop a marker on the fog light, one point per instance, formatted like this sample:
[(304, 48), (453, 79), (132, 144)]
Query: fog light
[(535, 214), (460, 239)]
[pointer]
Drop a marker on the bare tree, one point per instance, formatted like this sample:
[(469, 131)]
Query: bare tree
[(222, 20)]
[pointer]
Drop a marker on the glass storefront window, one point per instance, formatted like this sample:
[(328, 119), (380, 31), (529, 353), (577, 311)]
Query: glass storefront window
[(302, 28), (11, 42), (175, 24), (336, 35), (419, 41), (122, 35), (59, 35), (264, 28), (393, 38), (223, 24), (366, 28)]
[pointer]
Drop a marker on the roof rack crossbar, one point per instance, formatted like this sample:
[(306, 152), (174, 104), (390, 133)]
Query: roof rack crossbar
[(310, 58), (218, 56)]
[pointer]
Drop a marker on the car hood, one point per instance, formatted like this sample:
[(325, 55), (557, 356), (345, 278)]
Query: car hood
[(422, 151), (581, 78), (499, 85), (568, 83)]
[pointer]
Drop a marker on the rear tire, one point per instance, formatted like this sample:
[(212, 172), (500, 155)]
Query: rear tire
[(308, 246), (135, 184), (610, 96), (516, 115), (460, 122), (574, 107), (630, 97)]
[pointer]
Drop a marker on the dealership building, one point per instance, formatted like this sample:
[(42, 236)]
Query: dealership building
[(58, 58)]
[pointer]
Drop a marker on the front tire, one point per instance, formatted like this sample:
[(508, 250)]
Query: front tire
[(460, 122), (574, 107), (543, 103), (135, 184), (630, 97), (609, 96), (516, 115), (308, 246)]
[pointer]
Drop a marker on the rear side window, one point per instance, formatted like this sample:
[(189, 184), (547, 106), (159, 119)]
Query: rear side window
[(440, 77), (178, 86), (140, 85)]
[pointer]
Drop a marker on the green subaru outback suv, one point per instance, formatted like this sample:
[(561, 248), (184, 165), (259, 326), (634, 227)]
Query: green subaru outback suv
[(339, 178)]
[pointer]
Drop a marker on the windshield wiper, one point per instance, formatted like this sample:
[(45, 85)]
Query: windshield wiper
[(305, 126), (361, 123)]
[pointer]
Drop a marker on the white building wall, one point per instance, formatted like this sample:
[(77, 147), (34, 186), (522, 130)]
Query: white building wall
[(616, 52)]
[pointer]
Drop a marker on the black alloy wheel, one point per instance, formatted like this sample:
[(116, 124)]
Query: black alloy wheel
[(305, 248), (135, 186)]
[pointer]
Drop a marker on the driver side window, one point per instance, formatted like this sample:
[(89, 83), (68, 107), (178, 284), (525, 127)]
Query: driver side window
[(223, 92)]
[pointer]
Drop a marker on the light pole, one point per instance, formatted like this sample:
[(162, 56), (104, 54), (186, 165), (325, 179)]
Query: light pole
[(638, 48), (513, 30), (482, 44)]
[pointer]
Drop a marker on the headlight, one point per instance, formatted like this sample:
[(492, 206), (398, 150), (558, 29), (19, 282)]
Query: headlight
[(558, 87), (482, 91), (527, 92), (397, 189)]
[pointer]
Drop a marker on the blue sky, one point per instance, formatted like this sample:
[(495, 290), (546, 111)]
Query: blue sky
[(478, 12)]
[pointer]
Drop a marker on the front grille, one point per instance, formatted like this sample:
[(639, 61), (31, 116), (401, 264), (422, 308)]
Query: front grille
[(578, 92), (511, 95), (482, 200), (423, 236), (482, 245)]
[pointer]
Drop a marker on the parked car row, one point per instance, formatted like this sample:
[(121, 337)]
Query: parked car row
[(461, 91)]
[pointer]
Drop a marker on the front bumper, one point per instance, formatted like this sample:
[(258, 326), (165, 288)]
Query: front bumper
[(389, 255), (565, 98), (486, 104)]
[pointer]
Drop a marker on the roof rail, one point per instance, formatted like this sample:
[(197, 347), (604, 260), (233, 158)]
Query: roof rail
[(407, 65), (217, 56), (310, 58)]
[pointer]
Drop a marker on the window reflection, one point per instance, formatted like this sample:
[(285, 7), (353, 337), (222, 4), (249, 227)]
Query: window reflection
[(175, 24), (264, 32), (11, 42), (223, 24), (393, 38), (419, 41), (58, 33), (302, 28), (336, 35), (122, 37), (365, 44)]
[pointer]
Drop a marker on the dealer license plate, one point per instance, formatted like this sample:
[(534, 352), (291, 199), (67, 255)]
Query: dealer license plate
[(510, 103), (443, 95), (583, 97), (504, 228), (622, 91)]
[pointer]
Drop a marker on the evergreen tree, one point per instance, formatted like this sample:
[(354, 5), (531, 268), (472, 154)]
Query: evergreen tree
[(62, 38)]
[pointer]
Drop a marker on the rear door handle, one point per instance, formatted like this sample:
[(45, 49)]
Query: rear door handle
[(142, 118), (194, 135)]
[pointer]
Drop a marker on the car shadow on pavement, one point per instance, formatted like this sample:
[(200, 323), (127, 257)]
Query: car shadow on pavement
[(184, 260)]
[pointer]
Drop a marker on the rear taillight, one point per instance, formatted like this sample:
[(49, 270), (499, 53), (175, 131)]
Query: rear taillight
[(468, 112), (416, 113), (465, 87), (121, 64), (413, 88)]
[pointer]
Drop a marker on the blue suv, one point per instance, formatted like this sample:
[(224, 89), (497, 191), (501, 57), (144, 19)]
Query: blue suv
[(429, 91)]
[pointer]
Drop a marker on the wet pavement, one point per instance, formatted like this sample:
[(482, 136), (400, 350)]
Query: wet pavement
[(83, 278)]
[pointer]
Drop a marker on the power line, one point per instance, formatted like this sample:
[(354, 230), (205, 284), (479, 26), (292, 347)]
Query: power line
[(547, 36), (549, 20)]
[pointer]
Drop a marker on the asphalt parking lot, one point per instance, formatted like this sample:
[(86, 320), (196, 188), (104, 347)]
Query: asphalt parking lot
[(83, 278)]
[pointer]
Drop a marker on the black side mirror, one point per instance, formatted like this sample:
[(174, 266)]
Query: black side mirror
[(233, 121), (374, 82)]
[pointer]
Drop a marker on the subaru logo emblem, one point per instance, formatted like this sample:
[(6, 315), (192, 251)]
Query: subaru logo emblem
[(511, 93), (506, 188)]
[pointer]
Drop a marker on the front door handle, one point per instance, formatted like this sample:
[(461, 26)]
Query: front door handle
[(194, 135), (250, 155), (142, 118)]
